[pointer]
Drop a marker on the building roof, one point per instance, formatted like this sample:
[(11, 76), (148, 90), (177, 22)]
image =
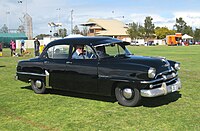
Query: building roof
[(13, 35), (111, 27)]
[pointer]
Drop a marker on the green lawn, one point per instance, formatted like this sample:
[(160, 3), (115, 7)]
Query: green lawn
[(22, 109)]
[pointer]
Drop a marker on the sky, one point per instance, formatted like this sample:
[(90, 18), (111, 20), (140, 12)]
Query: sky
[(163, 12)]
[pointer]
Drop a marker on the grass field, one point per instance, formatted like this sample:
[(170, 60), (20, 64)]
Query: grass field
[(21, 109)]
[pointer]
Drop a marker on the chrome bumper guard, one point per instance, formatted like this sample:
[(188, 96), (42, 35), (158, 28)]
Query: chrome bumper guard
[(163, 90), (46, 75)]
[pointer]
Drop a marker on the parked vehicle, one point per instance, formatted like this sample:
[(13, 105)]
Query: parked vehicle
[(134, 43), (172, 40), (108, 70), (151, 43)]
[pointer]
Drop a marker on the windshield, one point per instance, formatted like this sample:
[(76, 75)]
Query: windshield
[(111, 50)]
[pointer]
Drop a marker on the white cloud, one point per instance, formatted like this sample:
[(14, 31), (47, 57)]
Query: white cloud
[(157, 20), (44, 11), (191, 18)]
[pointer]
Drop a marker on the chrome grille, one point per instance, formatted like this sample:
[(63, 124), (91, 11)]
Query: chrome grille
[(169, 77)]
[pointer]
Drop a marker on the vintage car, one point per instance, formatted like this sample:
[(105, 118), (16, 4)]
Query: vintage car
[(109, 69)]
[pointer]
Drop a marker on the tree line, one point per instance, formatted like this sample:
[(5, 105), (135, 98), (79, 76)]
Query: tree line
[(135, 30), (149, 31)]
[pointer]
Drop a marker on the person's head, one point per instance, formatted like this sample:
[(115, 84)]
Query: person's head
[(80, 48), (36, 38), (100, 48), (22, 41)]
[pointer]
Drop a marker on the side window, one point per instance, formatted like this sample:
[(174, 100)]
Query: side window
[(114, 49), (83, 52), (58, 52), (89, 52)]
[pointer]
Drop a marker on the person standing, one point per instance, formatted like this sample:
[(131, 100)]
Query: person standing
[(37, 47), (12, 47), (1, 49), (22, 49)]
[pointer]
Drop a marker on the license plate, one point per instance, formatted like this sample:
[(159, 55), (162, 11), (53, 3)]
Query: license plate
[(174, 88)]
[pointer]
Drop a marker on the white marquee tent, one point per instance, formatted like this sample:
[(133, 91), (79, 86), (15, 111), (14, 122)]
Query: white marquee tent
[(187, 37)]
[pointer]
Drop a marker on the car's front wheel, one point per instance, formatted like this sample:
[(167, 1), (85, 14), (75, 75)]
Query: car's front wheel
[(127, 96), (38, 86)]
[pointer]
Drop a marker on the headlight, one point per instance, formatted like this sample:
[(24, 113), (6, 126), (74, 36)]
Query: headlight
[(151, 72), (177, 66)]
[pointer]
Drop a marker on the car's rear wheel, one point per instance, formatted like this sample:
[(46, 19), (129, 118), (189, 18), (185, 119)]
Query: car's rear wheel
[(38, 86), (127, 96)]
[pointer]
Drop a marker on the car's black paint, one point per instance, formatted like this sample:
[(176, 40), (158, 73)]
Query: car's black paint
[(98, 76)]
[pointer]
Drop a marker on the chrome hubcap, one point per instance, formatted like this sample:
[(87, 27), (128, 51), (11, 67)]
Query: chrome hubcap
[(127, 93), (38, 83)]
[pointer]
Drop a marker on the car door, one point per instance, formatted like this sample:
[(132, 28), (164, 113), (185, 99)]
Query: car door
[(83, 72), (55, 64)]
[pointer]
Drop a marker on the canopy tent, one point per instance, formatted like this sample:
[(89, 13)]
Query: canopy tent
[(187, 37), (6, 37)]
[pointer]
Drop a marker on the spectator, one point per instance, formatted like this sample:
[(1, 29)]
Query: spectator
[(22, 48), (12, 47), (37, 47), (1, 49)]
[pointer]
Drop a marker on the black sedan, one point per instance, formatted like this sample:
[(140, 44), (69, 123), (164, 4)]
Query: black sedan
[(100, 66)]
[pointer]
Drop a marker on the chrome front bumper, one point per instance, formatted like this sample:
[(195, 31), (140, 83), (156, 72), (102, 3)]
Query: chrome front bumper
[(163, 90)]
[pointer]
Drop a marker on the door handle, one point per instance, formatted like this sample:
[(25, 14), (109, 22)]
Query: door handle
[(45, 62), (68, 62)]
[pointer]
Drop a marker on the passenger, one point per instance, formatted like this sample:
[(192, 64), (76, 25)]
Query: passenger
[(101, 51), (79, 53)]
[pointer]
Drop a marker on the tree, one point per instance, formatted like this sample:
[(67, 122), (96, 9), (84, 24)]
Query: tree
[(141, 32), (149, 27), (161, 32), (62, 32), (133, 30), (84, 32), (76, 30), (188, 30), (41, 36), (197, 34), (182, 27), (21, 29), (4, 29)]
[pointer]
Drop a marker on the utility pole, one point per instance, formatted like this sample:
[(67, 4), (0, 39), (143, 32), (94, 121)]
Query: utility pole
[(58, 9), (7, 18), (72, 21)]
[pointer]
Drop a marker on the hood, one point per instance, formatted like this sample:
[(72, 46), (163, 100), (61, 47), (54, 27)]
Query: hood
[(159, 63)]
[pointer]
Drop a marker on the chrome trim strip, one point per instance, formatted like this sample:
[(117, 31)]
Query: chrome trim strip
[(152, 81), (120, 80), (46, 75), (47, 78), (164, 72), (28, 73), (165, 82), (103, 76), (163, 90), (160, 79), (16, 77)]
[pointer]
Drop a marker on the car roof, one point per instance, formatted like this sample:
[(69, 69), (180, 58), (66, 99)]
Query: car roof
[(95, 41)]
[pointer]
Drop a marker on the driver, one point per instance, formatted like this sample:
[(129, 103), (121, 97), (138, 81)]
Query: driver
[(79, 53)]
